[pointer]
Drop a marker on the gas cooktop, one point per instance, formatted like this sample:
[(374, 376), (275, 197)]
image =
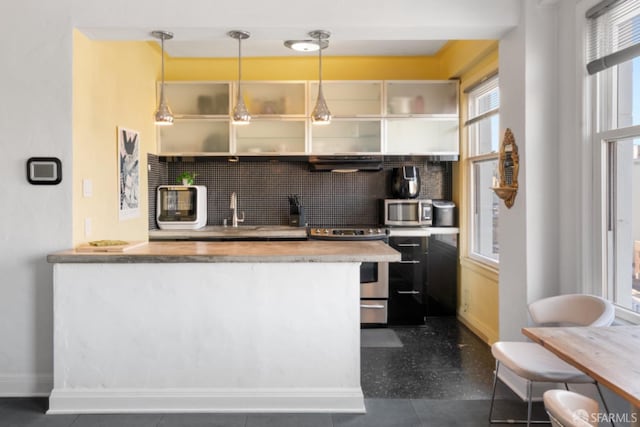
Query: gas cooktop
[(347, 233)]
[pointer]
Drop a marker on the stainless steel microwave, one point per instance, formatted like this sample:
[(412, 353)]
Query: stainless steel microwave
[(181, 207), (407, 212)]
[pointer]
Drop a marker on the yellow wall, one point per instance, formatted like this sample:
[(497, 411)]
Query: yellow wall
[(113, 85), (306, 68), (478, 284), (462, 57)]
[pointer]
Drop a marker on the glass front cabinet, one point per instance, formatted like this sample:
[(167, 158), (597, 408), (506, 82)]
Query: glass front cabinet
[(349, 98), (346, 136), (368, 117)]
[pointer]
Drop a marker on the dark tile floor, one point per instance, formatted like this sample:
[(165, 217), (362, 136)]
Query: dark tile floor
[(442, 376)]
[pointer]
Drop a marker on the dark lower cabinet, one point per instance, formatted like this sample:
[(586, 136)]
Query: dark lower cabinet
[(442, 271), (424, 283), (407, 281)]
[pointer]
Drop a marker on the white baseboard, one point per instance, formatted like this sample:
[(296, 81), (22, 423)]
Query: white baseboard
[(206, 400), (25, 385)]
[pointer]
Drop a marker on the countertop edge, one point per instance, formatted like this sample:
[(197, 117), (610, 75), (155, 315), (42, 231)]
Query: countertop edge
[(236, 252), (104, 258)]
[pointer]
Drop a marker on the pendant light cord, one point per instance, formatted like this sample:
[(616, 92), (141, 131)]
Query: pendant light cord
[(320, 60), (239, 67), (162, 71)]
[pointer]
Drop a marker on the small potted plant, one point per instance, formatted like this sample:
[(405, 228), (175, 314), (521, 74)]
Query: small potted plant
[(187, 178)]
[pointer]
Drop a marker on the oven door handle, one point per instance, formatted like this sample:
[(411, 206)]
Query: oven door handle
[(409, 262), (408, 292), (376, 306), (409, 245)]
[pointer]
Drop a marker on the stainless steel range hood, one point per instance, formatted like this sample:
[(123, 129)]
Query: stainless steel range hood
[(345, 163)]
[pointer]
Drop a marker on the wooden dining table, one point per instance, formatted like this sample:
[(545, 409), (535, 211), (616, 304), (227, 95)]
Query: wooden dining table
[(609, 355)]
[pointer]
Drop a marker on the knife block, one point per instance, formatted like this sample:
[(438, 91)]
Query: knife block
[(297, 219)]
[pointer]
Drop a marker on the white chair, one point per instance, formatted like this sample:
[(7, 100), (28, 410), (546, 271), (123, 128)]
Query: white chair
[(535, 363), (569, 409)]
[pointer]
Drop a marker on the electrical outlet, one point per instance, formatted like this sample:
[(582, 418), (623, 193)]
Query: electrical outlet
[(87, 227), (465, 300), (87, 188)]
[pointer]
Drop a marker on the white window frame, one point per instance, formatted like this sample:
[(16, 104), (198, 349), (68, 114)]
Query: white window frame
[(472, 159), (600, 103), (609, 265)]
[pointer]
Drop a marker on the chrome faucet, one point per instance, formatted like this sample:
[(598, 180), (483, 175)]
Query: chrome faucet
[(234, 207)]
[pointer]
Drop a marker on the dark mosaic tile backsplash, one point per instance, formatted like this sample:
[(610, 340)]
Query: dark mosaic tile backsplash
[(262, 187)]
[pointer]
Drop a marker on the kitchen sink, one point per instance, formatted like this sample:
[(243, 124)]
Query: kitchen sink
[(229, 229)]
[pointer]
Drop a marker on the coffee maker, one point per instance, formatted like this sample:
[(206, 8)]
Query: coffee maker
[(405, 182)]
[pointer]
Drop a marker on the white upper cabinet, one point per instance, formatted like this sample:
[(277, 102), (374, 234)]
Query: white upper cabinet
[(274, 98), (194, 136), (422, 118), (436, 136), (369, 117), (349, 98), (343, 136), (270, 137), (197, 98), (429, 98)]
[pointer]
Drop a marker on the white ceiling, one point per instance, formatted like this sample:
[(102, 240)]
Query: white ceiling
[(255, 48), (358, 27), (216, 44)]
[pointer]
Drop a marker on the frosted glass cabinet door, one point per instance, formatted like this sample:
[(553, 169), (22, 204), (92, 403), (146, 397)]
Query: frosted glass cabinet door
[(349, 99), (346, 136), (271, 136), (422, 136), (202, 99), (195, 136), (415, 98), (271, 98)]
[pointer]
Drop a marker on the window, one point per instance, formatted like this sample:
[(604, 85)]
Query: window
[(483, 102), (614, 38), (622, 228)]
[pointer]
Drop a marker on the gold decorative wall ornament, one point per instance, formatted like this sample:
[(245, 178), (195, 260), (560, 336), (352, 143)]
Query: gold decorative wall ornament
[(508, 165)]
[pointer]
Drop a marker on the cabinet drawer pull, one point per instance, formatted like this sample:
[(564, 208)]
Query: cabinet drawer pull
[(408, 292), (409, 245), (413, 261), (377, 306)]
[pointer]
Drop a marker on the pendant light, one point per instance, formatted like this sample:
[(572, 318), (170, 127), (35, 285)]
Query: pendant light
[(240, 115), (321, 114), (163, 115)]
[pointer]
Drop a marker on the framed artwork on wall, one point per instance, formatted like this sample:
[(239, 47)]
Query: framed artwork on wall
[(128, 173)]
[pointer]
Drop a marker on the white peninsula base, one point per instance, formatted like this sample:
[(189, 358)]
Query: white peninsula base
[(206, 337)]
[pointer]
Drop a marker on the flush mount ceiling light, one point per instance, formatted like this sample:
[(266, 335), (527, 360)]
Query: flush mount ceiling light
[(321, 114), (240, 114), (163, 116), (306, 45)]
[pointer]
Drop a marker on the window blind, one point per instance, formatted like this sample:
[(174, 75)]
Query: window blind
[(484, 100), (613, 34)]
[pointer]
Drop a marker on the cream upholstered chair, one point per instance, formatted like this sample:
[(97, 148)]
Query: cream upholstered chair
[(537, 364), (569, 409)]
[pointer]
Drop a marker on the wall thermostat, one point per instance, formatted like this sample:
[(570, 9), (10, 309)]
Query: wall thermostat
[(44, 170)]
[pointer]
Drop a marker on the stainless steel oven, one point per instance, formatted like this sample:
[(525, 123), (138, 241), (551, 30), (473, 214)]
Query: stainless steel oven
[(374, 276), (374, 293)]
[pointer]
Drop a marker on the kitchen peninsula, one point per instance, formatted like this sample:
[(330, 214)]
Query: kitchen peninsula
[(210, 327)]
